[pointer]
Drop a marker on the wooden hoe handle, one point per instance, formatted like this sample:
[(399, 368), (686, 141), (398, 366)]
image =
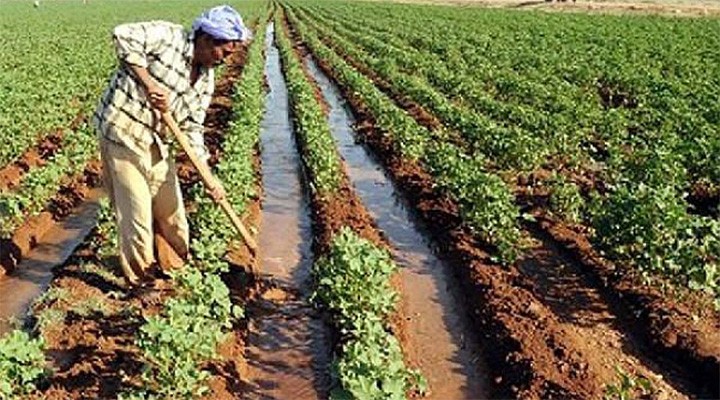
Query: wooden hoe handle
[(208, 180)]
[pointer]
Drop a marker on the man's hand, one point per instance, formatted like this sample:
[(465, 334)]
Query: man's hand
[(216, 191), (158, 98)]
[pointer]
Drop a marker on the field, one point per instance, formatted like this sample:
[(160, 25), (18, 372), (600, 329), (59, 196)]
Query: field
[(450, 202)]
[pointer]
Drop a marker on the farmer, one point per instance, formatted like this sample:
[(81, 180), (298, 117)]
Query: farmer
[(162, 68)]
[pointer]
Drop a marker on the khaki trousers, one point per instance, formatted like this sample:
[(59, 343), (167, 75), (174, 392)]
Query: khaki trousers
[(144, 192)]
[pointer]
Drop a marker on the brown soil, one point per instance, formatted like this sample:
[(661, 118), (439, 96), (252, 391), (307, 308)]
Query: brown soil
[(535, 358), (680, 8), (705, 199), (11, 174), (687, 332), (674, 323), (93, 352), (614, 97), (599, 328), (31, 231)]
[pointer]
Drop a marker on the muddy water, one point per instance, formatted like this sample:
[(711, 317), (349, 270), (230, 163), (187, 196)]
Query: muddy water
[(286, 341), (441, 338), (33, 274)]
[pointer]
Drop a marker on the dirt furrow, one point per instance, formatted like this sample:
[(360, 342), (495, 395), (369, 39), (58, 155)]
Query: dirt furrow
[(35, 271), (678, 334), (603, 330), (11, 175), (438, 334), (285, 341), (31, 232)]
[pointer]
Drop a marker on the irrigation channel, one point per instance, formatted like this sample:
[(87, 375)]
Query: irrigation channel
[(286, 346), (33, 274), (441, 341)]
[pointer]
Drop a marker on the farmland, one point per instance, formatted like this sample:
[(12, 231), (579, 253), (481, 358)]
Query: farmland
[(449, 203)]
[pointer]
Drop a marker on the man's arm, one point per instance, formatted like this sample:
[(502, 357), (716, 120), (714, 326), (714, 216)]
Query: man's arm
[(157, 95), (133, 43)]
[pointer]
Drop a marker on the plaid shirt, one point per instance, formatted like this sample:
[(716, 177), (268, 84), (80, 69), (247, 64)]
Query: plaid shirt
[(125, 115)]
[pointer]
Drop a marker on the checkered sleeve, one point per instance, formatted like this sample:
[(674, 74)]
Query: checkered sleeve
[(134, 42)]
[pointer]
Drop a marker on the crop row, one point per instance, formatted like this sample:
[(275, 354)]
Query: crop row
[(185, 335), (55, 71), (414, 73), (41, 183), (486, 202), (568, 70), (353, 274), (642, 221)]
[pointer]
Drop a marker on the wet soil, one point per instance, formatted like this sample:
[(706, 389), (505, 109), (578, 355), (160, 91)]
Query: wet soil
[(35, 271), (439, 337), (286, 338), (30, 233)]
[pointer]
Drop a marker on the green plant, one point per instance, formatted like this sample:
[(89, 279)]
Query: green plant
[(565, 199), (53, 295), (353, 277), (650, 229), (628, 387), (22, 364), (372, 367), (90, 305), (353, 282), (42, 182), (486, 202), (319, 153), (48, 318)]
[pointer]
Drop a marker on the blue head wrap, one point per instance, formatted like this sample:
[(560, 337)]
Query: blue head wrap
[(223, 23)]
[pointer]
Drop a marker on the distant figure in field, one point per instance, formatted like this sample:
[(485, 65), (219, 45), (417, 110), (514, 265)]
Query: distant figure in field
[(162, 68)]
